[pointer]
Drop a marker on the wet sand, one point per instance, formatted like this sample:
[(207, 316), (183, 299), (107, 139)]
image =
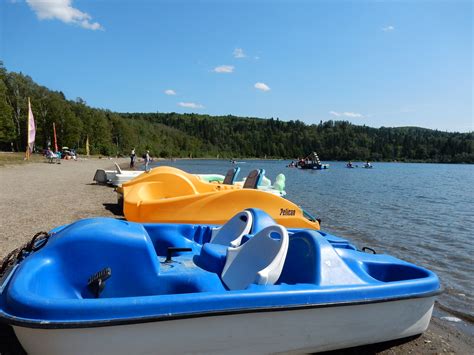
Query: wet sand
[(39, 196)]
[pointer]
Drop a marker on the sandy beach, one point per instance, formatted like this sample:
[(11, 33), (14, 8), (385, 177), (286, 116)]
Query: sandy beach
[(39, 196)]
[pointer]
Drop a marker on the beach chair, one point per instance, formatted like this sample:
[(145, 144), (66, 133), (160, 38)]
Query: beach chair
[(52, 158), (231, 176)]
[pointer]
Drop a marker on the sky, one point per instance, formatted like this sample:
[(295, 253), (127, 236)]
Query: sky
[(378, 63)]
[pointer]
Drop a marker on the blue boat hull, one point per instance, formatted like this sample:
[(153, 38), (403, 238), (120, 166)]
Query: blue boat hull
[(48, 289)]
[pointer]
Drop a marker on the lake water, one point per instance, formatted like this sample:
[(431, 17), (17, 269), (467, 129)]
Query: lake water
[(422, 213)]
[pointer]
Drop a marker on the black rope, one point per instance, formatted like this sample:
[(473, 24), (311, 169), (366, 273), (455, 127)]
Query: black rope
[(38, 241)]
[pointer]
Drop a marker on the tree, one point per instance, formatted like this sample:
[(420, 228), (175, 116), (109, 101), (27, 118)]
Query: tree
[(7, 127)]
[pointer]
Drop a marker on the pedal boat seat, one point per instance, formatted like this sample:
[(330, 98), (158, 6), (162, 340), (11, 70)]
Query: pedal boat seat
[(231, 175), (258, 261), (253, 179), (231, 233)]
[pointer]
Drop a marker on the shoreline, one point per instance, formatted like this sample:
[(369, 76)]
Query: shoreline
[(41, 196), (39, 158)]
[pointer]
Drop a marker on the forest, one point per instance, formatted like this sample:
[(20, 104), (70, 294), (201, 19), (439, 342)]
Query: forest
[(203, 136)]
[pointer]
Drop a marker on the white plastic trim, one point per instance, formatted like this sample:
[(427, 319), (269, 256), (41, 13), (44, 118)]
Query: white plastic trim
[(231, 233)]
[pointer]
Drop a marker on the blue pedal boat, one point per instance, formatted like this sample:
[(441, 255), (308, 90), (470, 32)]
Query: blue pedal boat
[(106, 286)]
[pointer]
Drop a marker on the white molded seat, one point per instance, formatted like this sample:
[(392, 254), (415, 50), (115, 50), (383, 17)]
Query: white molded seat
[(259, 261), (231, 233)]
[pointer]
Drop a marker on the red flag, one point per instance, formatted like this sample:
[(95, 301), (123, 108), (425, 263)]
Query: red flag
[(55, 138)]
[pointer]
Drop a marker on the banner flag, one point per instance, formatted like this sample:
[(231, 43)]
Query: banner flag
[(31, 130), (55, 138), (87, 146)]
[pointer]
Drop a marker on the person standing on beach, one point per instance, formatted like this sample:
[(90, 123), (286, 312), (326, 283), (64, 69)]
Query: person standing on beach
[(147, 160), (132, 158)]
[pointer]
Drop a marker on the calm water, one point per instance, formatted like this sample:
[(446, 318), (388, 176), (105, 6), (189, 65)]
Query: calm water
[(422, 213)]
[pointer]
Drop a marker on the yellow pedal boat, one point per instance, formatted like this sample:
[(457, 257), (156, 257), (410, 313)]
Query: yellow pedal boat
[(170, 195)]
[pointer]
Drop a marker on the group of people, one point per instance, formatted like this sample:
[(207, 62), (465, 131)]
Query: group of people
[(146, 159), (366, 165), (56, 157)]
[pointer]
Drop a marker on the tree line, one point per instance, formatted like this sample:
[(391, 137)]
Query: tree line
[(192, 135)]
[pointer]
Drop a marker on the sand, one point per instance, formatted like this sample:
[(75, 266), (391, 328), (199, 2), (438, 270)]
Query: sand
[(39, 196)]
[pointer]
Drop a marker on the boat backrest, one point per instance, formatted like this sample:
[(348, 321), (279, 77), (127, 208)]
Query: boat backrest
[(117, 167), (253, 179), (231, 176), (260, 220), (258, 261), (279, 182), (100, 176), (313, 259), (231, 233)]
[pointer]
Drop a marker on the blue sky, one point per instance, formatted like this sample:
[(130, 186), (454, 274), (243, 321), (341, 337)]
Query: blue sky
[(384, 63)]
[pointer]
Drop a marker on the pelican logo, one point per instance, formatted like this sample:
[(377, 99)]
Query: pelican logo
[(287, 212)]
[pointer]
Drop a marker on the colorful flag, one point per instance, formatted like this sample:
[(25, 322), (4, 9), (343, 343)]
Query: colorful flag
[(31, 128), (87, 145), (31, 133), (55, 138)]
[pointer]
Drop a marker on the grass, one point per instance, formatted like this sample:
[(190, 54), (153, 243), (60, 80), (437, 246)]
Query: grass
[(8, 158)]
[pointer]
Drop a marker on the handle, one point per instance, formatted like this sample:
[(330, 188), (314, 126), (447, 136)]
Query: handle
[(366, 249), (171, 250)]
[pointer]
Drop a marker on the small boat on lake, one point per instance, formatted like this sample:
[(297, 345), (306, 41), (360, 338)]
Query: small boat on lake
[(312, 162), (106, 286)]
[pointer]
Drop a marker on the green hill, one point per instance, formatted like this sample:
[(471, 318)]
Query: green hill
[(184, 135)]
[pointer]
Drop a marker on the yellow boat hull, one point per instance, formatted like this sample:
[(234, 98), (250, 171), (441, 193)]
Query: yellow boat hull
[(170, 195), (177, 181), (210, 208)]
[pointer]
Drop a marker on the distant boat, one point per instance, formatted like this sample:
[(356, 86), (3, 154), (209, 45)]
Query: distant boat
[(312, 162)]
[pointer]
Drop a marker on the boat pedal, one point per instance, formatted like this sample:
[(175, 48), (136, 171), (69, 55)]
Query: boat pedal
[(96, 282)]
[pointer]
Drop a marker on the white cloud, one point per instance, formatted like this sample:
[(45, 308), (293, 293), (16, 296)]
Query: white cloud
[(224, 69), (346, 114), (63, 11), (170, 92), (190, 105), (352, 114), (388, 28), (239, 53), (262, 86)]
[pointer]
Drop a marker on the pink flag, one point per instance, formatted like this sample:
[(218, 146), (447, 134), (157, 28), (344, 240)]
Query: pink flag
[(31, 128), (55, 138)]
